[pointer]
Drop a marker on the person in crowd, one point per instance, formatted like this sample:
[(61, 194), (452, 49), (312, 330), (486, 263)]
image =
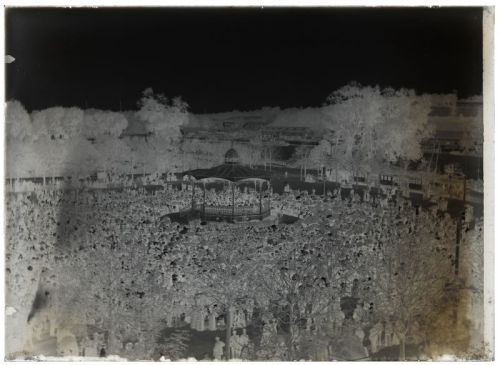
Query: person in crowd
[(218, 350)]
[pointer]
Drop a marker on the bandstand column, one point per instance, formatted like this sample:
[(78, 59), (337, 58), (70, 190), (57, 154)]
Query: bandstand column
[(260, 199), (269, 195), (324, 185), (192, 196), (203, 200), (233, 198)]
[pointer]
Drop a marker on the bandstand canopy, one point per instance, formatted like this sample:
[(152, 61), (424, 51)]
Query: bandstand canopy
[(253, 180), (228, 171), (208, 180)]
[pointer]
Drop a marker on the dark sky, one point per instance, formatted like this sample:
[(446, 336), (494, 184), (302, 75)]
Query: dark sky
[(225, 59)]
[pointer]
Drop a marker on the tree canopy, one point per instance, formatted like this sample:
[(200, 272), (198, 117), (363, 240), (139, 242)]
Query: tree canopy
[(370, 126)]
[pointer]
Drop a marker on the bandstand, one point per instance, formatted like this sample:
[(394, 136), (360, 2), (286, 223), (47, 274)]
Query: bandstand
[(231, 177)]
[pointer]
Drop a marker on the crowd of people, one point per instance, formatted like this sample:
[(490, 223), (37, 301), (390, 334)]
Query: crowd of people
[(99, 251)]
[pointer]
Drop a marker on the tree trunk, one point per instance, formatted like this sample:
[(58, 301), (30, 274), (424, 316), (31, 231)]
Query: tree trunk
[(402, 349), (437, 158), (229, 325), (291, 334)]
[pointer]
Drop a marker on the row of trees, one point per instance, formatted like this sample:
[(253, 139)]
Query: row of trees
[(363, 127), (160, 116), (61, 140), (371, 128)]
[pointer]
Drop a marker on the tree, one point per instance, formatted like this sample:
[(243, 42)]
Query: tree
[(309, 273), (112, 278), (163, 117), (377, 126), (319, 154), (99, 124), (57, 123), (404, 125), (114, 154), (410, 268), (53, 143), (458, 327), (291, 284), (223, 271), (18, 122), (472, 137), (26, 257), (302, 157)]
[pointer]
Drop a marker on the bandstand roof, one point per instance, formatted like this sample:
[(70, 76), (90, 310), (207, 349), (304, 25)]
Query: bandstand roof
[(253, 180), (209, 180), (231, 172)]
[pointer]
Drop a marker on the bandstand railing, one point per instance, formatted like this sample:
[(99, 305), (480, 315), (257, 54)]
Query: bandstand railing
[(228, 213)]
